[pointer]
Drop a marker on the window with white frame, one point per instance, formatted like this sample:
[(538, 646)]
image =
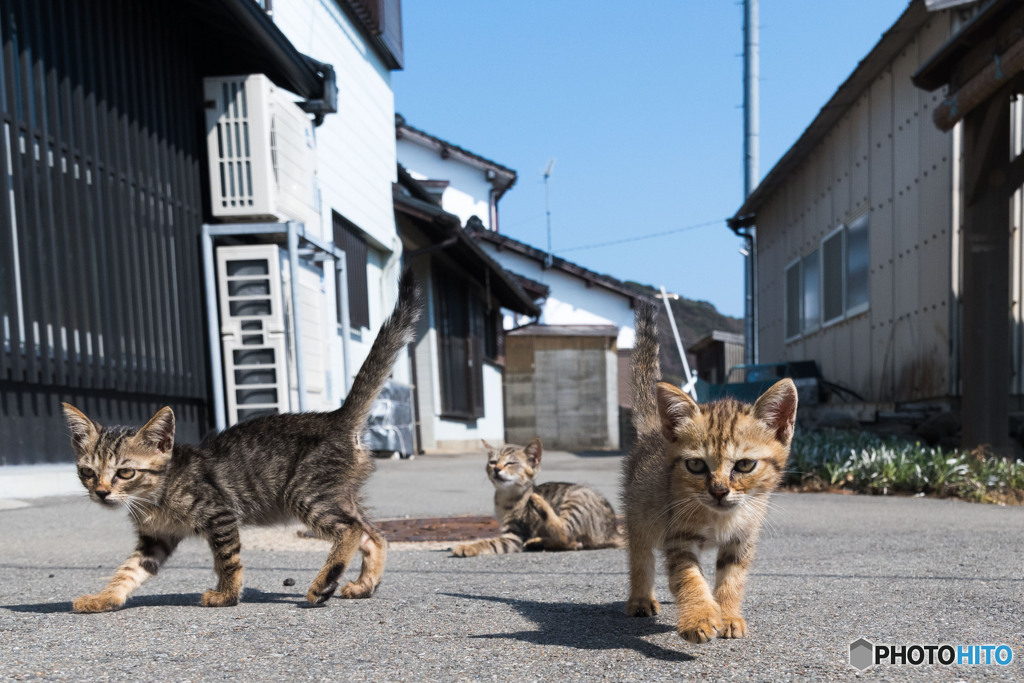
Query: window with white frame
[(802, 296), (829, 284)]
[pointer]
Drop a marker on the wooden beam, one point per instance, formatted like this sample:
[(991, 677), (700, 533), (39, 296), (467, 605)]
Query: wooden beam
[(985, 349)]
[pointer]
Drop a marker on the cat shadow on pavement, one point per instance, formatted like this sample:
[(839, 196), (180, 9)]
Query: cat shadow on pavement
[(162, 600), (607, 627)]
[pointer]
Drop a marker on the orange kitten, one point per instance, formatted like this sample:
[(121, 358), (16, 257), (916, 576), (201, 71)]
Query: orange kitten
[(698, 477)]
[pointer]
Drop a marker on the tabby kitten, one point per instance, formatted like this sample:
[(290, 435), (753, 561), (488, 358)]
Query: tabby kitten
[(551, 516), (309, 466), (698, 477)]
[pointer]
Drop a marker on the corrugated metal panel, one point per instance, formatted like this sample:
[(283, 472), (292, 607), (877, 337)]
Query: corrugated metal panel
[(882, 157), (906, 202), (881, 237)]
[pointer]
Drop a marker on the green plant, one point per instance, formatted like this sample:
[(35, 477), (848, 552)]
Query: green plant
[(866, 463)]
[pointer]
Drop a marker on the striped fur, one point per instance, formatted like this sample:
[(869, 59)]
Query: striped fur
[(549, 516), (698, 477), (309, 466)]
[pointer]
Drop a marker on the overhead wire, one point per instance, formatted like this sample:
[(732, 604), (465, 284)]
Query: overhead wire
[(648, 236)]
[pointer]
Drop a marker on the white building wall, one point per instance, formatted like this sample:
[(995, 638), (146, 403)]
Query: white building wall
[(468, 192), (356, 159), (437, 433), (461, 435), (571, 302)]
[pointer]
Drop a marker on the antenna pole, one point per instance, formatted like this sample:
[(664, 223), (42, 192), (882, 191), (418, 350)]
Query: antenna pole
[(547, 206)]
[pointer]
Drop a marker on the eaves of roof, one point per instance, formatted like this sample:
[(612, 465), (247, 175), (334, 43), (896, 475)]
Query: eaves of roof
[(446, 231), (536, 330), (478, 232), (717, 336), (938, 70), (891, 42), (503, 177), (237, 36)]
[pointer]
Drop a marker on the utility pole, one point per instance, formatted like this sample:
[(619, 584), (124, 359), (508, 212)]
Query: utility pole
[(751, 115)]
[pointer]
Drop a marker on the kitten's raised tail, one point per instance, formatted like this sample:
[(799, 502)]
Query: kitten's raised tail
[(646, 369), (395, 334)]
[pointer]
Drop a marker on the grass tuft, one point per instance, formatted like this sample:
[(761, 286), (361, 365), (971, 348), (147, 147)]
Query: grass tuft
[(862, 462)]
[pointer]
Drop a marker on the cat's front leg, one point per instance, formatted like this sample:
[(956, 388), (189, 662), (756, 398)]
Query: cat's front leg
[(700, 618), (730, 579), (150, 553), (222, 535), (642, 602)]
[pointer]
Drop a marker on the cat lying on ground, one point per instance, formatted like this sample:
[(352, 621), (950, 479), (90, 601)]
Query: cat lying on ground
[(549, 516)]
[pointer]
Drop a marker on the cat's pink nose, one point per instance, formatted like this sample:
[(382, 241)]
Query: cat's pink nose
[(719, 494)]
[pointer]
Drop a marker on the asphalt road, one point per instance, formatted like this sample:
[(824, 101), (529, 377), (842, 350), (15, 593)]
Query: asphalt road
[(830, 569)]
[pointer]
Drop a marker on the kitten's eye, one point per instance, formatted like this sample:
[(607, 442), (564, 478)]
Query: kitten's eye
[(126, 473), (745, 465), (86, 473), (696, 466)]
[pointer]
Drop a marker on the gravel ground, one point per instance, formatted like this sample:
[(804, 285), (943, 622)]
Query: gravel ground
[(830, 569)]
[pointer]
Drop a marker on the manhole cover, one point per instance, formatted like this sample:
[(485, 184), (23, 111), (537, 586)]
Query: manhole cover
[(439, 528)]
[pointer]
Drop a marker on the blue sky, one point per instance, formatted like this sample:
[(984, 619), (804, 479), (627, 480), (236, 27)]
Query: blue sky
[(640, 103)]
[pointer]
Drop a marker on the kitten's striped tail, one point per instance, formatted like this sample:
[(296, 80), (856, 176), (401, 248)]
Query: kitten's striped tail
[(646, 369), (395, 334)]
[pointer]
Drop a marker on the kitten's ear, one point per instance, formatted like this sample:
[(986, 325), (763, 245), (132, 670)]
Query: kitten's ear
[(83, 430), (489, 447), (777, 409), (676, 408), (159, 431), (533, 451)]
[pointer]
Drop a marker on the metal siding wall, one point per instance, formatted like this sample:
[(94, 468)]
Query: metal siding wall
[(105, 204), (934, 223), (881, 237), (906, 203), (884, 157), (859, 329)]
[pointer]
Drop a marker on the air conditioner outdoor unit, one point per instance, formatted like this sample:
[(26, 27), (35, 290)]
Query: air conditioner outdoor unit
[(262, 152), (257, 334), (253, 331)]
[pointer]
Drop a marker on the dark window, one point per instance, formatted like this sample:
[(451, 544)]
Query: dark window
[(347, 237), (832, 280), (494, 337), (460, 328)]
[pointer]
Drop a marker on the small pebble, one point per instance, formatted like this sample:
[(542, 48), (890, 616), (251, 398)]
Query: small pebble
[(51, 576), (289, 582)]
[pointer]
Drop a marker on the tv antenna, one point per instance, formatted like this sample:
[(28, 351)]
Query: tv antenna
[(547, 205)]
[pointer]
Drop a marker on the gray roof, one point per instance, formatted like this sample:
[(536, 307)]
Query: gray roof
[(502, 242)]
